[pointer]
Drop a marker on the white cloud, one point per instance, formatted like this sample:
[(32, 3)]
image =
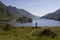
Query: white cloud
[(34, 4), (40, 2)]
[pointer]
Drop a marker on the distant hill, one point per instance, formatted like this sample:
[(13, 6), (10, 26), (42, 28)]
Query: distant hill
[(55, 15), (20, 12)]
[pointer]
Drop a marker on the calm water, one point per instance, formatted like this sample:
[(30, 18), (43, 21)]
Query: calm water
[(40, 22)]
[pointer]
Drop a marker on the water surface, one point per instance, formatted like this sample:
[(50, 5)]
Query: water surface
[(40, 22)]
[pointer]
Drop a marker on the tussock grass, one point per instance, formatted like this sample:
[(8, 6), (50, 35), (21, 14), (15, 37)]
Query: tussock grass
[(19, 33)]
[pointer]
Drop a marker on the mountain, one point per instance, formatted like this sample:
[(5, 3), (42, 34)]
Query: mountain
[(20, 12), (55, 15), (5, 12)]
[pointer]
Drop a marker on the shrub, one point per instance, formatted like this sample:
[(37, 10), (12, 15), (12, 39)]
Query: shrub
[(47, 32), (5, 27)]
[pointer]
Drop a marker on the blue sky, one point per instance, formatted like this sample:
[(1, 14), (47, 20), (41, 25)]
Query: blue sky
[(36, 7)]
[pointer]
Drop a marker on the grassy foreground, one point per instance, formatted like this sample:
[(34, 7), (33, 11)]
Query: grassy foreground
[(20, 33)]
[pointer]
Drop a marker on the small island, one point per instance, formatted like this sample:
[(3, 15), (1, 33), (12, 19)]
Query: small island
[(24, 19)]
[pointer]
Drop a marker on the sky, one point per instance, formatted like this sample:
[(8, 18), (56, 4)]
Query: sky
[(35, 7)]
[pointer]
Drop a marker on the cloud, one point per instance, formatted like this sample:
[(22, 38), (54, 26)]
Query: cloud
[(34, 4), (40, 2)]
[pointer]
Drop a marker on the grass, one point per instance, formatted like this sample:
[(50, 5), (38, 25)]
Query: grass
[(19, 33)]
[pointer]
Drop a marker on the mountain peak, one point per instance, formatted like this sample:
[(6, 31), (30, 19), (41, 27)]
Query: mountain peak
[(5, 11), (58, 10), (11, 6), (1, 3)]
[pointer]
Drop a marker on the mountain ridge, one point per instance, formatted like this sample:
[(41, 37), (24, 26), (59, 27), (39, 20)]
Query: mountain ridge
[(5, 12), (55, 15), (21, 12)]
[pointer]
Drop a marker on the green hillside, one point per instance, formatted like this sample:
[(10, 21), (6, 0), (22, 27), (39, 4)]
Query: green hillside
[(5, 13), (8, 32)]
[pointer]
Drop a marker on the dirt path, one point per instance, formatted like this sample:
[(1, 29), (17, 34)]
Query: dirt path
[(29, 35), (32, 32)]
